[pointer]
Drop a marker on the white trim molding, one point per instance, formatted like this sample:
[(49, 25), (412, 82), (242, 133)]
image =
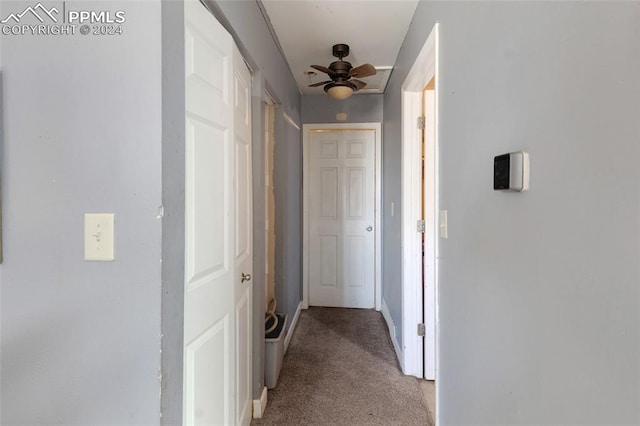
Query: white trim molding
[(307, 128), (290, 121), (423, 70), (292, 327), (259, 405), (386, 314)]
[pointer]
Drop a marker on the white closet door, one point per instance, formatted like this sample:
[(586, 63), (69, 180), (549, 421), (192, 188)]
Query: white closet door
[(218, 235)]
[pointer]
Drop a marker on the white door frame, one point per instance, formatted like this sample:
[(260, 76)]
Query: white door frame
[(307, 128), (423, 70)]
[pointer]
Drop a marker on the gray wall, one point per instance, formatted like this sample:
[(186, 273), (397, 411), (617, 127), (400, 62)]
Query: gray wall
[(173, 201), (80, 341), (365, 108), (287, 179), (539, 291), (100, 129)]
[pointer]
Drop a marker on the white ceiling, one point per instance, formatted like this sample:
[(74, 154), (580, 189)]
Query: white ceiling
[(307, 30)]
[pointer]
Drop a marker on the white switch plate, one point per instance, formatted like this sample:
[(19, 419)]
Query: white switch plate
[(444, 232), (99, 236)]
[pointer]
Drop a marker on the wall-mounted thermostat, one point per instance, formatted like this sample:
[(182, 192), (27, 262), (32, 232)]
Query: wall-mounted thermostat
[(511, 172)]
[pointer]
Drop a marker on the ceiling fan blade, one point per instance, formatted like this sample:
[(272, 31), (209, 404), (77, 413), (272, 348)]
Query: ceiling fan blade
[(320, 84), (364, 70), (359, 84), (324, 70)]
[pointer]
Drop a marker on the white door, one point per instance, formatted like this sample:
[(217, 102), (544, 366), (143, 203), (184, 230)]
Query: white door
[(217, 318), (342, 218), (243, 260)]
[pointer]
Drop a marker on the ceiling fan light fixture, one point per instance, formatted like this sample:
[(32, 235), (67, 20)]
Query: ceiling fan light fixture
[(342, 84), (339, 91)]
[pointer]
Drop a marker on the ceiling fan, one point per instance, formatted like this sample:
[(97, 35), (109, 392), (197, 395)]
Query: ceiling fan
[(342, 83)]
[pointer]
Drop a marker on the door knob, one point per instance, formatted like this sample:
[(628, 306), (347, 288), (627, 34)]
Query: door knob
[(245, 277), (369, 228)]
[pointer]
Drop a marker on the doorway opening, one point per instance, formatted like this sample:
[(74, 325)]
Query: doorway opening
[(420, 214), (346, 199)]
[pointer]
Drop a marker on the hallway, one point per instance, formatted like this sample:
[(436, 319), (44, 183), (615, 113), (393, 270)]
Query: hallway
[(341, 369)]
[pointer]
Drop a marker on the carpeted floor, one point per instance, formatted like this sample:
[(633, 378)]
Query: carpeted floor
[(341, 369)]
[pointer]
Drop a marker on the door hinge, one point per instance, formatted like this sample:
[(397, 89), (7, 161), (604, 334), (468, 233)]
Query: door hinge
[(421, 123), (421, 226), (421, 330)]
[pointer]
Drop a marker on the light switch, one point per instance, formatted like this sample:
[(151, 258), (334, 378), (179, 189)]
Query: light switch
[(98, 236), (444, 232)]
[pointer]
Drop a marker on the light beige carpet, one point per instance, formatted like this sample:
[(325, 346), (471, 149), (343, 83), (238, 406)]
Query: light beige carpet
[(341, 369)]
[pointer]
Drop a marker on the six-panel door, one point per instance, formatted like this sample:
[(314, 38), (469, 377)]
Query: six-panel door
[(341, 218)]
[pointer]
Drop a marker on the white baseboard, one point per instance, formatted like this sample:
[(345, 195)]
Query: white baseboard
[(292, 327), (259, 405), (392, 332)]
